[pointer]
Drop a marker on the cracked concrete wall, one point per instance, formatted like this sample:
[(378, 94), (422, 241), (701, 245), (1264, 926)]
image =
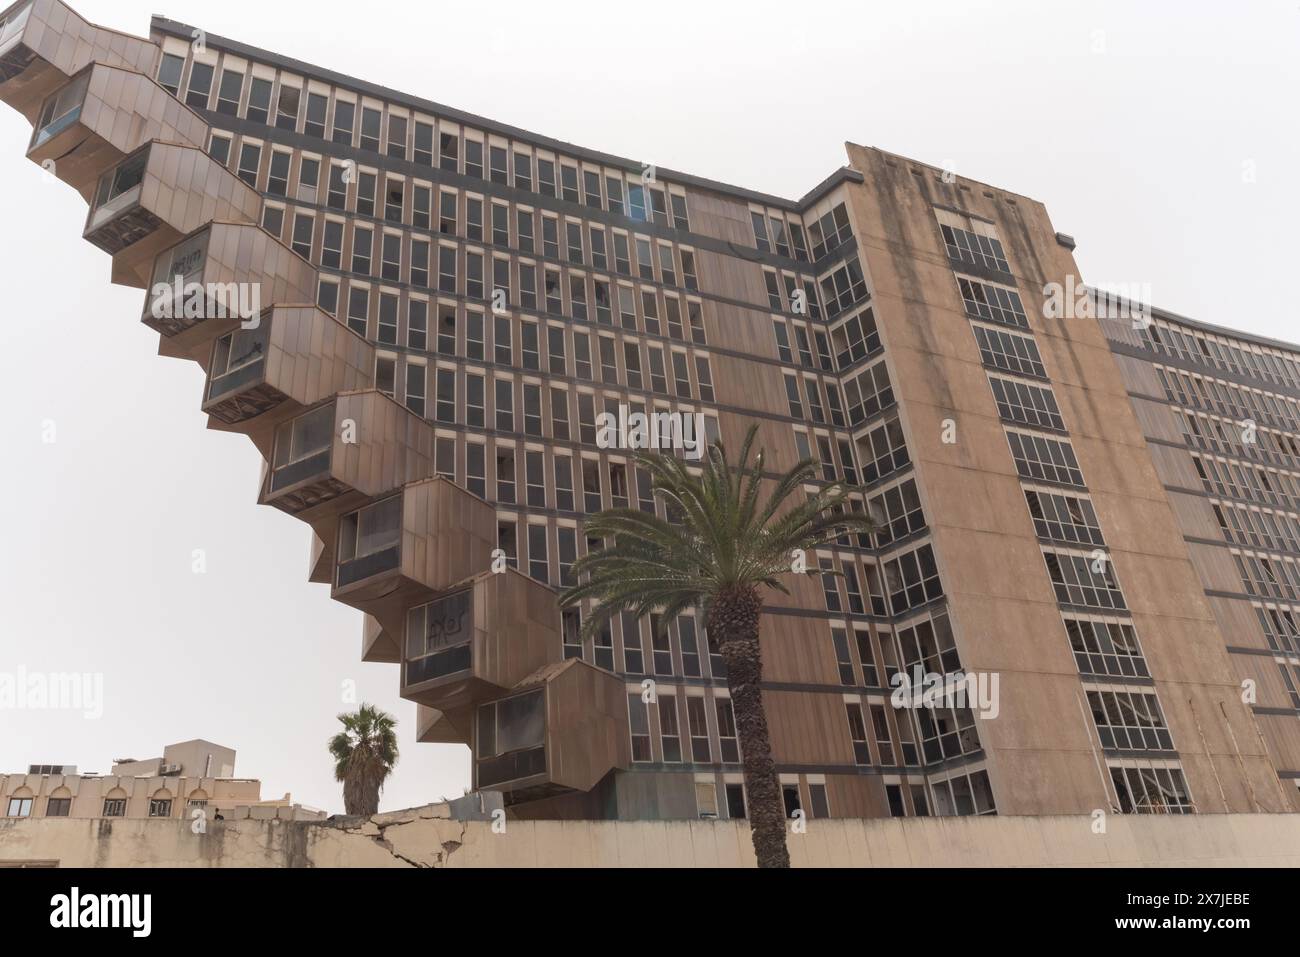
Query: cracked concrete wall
[(428, 837)]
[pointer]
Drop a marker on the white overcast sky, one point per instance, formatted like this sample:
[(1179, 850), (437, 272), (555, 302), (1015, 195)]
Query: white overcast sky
[(1133, 122)]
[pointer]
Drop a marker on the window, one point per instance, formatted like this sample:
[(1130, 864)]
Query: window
[(1009, 352), (912, 579), (169, 73), (286, 109), (523, 171), (358, 309), (1045, 459), (228, 93), (669, 730), (259, 100), (539, 566), (1064, 518), (415, 387), (476, 468), (304, 225), (473, 158), (370, 530), (564, 483), (727, 738), (1026, 404), (1129, 721), (200, 86), (115, 807), (397, 137), (974, 249), (1105, 647), (317, 106), (446, 395), (514, 724), (160, 807), (640, 726), (1151, 790), (250, 156), (20, 807), (309, 434), (423, 143), (58, 807), (1083, 579), (505, 406), (344, 117), (449, 152)]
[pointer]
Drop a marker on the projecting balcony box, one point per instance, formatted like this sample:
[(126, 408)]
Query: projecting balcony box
[(343, 453), (407, 548), (100, 117), (43, 43), (155, 198), (561, 729), (479, 639), (296, 357), (217, 279)]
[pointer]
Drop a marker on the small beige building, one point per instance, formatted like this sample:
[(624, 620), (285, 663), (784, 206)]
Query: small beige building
[(189, 775)]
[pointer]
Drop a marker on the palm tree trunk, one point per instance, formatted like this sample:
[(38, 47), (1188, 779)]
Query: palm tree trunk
[(733, 622)]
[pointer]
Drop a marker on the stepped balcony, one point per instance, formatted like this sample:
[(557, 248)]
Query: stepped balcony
[(409, 547), (43, 43), (296, 357), (100, 117), (155, 198), (218, 279), (479, 640), (560, 730)]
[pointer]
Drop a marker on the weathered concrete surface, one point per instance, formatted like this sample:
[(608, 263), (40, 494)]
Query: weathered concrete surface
[(427, 837)]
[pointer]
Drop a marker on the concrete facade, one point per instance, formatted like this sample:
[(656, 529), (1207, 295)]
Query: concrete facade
[(427, 837)]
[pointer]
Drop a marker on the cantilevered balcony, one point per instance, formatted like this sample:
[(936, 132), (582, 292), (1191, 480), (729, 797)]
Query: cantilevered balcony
[(296, 357), (100, 117), (409, 547), (562, 729), (43, 43), (220, 278), (155, 198), (479, 640), (345, 452)]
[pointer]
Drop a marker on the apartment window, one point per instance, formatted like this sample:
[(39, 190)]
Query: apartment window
[(591, 498), (327, 296), (219, 149), (759, 223), (644, 262), (415, 387), (474, 275), (303, 226), (1105, 647), (792, 396), (506, 480), (20, 807), (582, 356), (505, 406), (317, 106), (680, 219), (567, 538), (632, 363), (397, 137), (362, 241), (1026, 404), (446, 395), (358, 309), (534, 478), (546, 176), (1009, 352), (366, 185), (1064, 518), (259, 100), (1129, 721), (636, 202), (423, 143), (564, 483), (169, 73), (473, 158), (393, 200), (1045, 459), (420, 263), (449, 152), (115, 807), (474, 218), (539, 565), (639, 720), (250, 156), (532, 409), (476, 469), (286, 109), (523, 171), (727, 739), (228, 93), (200, 86), (58, 807), (160, 807), (386, 375), (559, 414), (1151, 790), (912, 579), (591, 188), (344, 118), (372, 529), (974, 249), (670, 735), (681, 376), (1083, 580)]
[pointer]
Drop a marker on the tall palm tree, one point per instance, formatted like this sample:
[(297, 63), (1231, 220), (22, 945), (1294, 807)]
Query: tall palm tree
[(720, 551), (364, 754)]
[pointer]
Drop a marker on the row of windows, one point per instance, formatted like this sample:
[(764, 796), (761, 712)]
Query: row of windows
[(1281, 627), (1269, 576), (974, 249), (810, 396), (1008, 352), (1026, 404), (926, 643), (1247, 480), (1212, 434), (436, 144), (1238, 402), (707, 735), (893, 587), (21, 806), (773, 232), (1151, 790), (880, 742), (1220, 352), (992, 303), (1042, 458), (1263, 528)]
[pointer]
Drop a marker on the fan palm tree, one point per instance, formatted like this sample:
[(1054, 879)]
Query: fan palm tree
[(365, 752), (720, 552)]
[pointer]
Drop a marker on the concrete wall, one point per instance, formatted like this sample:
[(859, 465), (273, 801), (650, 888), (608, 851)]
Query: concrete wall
[(427, 837)]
